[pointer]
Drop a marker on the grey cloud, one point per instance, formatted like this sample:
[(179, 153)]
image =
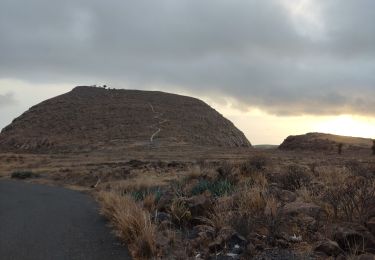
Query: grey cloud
[(248, 50), (7, 99)]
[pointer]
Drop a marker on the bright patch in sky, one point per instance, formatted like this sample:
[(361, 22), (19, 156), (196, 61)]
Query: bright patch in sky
[(306, 17), (348, 125)]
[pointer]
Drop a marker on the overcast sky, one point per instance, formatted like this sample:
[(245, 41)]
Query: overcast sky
[(285, 59)]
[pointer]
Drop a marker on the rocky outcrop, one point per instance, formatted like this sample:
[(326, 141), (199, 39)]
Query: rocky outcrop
[(89, 118)]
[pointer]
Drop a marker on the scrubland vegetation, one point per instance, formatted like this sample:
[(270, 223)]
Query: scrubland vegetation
[(256, 208)]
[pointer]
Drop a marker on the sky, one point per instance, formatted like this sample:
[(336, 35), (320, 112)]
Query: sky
[(273, 67)]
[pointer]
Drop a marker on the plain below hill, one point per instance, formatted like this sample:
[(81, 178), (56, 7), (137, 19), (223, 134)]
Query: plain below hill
[(324, 142), (95, 118)]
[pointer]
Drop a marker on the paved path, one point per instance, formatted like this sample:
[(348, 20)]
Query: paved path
[(41, 222)]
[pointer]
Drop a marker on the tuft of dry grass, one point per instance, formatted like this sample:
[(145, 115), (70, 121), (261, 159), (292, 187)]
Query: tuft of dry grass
[(252, 201), (132, 223), (332, 175)]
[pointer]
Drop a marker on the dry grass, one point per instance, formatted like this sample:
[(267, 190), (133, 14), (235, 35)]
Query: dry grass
[(252, 201), (132, 223), (126, 186), (251, 208), (332, 175)]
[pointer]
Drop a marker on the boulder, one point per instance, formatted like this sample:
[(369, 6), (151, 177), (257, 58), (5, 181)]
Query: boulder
[(354, 237), (328, 247), (199, 204), (297, 207), (286, 196), (162, 216)]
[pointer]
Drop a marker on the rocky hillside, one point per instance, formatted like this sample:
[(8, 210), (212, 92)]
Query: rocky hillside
[(324, 142), (88, 118)]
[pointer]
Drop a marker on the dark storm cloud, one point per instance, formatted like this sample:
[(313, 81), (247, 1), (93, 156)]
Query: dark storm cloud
[(253, 51)]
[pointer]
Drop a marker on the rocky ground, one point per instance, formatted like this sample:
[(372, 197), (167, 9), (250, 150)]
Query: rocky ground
[(218, 204)]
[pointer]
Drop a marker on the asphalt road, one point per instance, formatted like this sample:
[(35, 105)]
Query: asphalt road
[(41, 222)]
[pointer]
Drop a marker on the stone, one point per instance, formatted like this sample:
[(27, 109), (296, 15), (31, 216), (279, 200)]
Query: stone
[(199, 204), (162, 216), (286, 196), (215, 246), (296, 208), (352, 236), (328, 247)]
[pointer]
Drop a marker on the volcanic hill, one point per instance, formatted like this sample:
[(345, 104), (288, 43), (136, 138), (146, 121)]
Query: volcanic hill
[(324, 142), (90, 118)]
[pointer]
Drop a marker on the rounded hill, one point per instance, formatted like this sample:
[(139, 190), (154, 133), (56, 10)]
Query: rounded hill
[(324, 142), (89, 118)]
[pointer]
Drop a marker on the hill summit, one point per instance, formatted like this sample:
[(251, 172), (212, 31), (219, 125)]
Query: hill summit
[(89, 118)]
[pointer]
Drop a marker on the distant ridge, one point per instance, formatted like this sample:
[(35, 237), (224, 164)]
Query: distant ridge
[(324, 142), (88, 118)]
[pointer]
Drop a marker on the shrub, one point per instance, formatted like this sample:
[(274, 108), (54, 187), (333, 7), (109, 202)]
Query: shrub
[(357, 169), (256, 208), (294, 178), (23, 175), (180, 211), (256, 163), (353, 199), (141, 194), (225, 170), (131, 221), (217, 188)]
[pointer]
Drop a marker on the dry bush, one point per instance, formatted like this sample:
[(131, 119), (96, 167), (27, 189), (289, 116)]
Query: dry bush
[(294, 178), (194, 172), (256, 179), (252, 201), (306, 194), (254, 211), (254, 164), (273, 218), (222, 212), (126, 186), (132, 223), (353, 199), (356, 168), (180, 211), (226, 170), (332, 175), (150, 202)]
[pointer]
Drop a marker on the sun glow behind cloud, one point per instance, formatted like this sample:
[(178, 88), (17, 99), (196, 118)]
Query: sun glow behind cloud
[(263, 128), (348, 125)]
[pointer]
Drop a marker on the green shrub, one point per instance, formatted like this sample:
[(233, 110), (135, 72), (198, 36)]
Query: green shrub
[(141, 194), (217, 188)]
